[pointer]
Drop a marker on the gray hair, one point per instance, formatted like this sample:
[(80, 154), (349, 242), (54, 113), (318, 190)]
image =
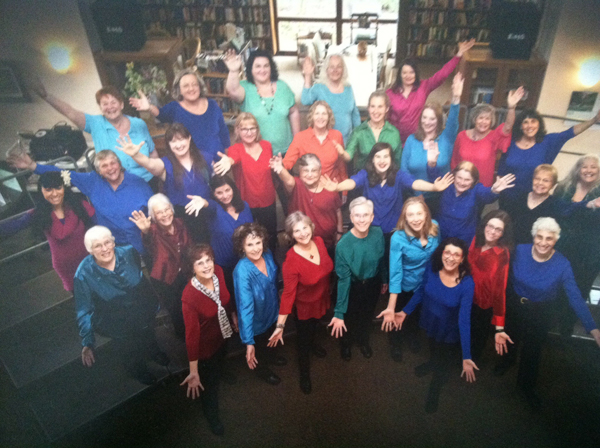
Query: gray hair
[(483, 109), (188, 71), (292, 220), (309, 159), (361, 200), (158, 199), (103, 155), (323, 75), (571, 180), (94, 234), (547, 224)]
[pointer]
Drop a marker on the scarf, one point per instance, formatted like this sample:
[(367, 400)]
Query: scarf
[(226, 330)]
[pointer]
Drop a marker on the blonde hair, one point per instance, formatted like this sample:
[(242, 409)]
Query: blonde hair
[(310, 117), (429, 227), (549, 169), (246, 116), (470, 168), (483, 109)]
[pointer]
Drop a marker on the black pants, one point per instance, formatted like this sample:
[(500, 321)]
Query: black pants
[(267, 217), (135, 348), (210, 371), (282, 193), (264, 355), (170, 297), (480, 330), (443, 360), (527, 325), (306, 330), (197, 225), (410, 326), (361, 307)]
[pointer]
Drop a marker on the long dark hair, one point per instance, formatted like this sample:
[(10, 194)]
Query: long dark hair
[(199, 166), (506, 240), (42, 216), (398, 83), (517, 132), (261, 54), (373, 176), (464, 268), (236, 201)]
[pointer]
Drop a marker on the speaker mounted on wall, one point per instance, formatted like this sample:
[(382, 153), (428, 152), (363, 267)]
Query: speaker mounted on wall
[(120, 24), (514, 29)]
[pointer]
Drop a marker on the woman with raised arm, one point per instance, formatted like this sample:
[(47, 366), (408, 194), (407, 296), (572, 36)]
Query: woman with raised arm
[(530, 147), (265, 96), (538, 274), (107, 128), (308, 195), (184, 174), (322, 140), (481, 144), (166, 239), (432, 140), (209, 321), (489, 256), (413, 242), (362, 277), (250, 157), (306, 280), (333, 88), (374, 130), (446, 296), (199, 114), (257, 299), (409, 94)]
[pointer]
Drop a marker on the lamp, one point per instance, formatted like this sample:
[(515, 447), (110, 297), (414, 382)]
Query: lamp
[(589, 72), (59, 57)]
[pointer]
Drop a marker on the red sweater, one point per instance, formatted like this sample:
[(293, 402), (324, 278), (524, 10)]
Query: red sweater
[(166, 250), (306, 284), (490, 273), (203, 336)]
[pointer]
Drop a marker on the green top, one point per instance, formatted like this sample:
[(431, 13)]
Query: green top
[(358, 259), (362, 140), (272, 114)]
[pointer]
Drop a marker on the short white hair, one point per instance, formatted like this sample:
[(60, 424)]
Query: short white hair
[(158, 199), (547, 224), (94, 234), (105, 154), (361, 200)]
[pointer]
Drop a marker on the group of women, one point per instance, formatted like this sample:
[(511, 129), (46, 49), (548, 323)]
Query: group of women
[(209, 239)]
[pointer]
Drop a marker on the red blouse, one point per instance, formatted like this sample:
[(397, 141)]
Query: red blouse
[(166, 250), (320, 207), (203, 336), (490, 273), (306, 284), (253, 177)]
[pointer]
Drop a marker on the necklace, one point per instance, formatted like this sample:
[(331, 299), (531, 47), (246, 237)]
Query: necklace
[(264, 102), (312, 193)]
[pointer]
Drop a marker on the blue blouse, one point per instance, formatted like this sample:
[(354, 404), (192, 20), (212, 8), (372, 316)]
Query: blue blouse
[(193, 184), (414, 156), (342, 104), (256, 297), (458, 215), (446, 312), (387, 200), (542, 282), (222, 226), (408, 260)]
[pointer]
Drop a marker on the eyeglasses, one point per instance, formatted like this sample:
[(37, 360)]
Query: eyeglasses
[(494, 229), (109, 244), (247, 130), (449, 254)]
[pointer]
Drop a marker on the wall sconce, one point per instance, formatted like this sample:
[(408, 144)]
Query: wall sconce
[(59, 57), (589, 72)]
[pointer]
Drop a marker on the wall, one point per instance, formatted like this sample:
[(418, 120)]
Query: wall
[(26, 27)]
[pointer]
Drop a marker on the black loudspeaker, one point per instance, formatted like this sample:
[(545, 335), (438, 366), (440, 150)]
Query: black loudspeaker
[(119, 24), (513, 29)]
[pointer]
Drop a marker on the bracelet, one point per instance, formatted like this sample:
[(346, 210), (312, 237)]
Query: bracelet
[(282, 326), (500, 330)]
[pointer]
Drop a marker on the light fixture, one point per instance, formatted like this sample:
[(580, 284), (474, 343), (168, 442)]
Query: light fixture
[(589, 72), (59, 57)]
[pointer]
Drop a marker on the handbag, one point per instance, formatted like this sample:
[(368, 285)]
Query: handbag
[(62, 140)]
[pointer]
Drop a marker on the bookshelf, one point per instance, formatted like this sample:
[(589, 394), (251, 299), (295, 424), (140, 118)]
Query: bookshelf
[(215, 84), (206, 19), (432, 28)]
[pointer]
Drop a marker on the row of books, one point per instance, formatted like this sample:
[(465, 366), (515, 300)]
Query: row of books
[(453, 18), (451, 4), (207, 14), (446, 34), (221, 3), (227, 106), (430, 50), (215, 85)]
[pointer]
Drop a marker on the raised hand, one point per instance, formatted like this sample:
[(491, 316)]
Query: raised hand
[(222, 166), (327, 183), (233, 61), (276, 163), (127, 146), (388, 323), (251, 357), (196, 204), (193, 385), (457, 85), (514, 96), (140, 103), (340, 149), (276, 337), (465, 46), (22, 161), (338, 327), (502, 183), (433, 152), (441, 183), (141, 221), (468, 371), (308, 67), (501, 340)]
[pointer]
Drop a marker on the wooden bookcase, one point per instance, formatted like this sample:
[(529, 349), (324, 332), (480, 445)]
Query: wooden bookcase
[(206, 19), (215, 84)]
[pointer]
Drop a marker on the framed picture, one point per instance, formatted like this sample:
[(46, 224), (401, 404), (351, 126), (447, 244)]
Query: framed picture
[(582, 106), (11, 86)]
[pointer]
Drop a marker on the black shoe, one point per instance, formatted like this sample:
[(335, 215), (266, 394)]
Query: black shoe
[(145, 377), (414, 345), (423, 369), (396, 353), (319, 351), (432, 403), (305, 384), (502, 367), (366, 351), (269, 377), (278, 361), (346, 353), (161, 359), (216, 427)]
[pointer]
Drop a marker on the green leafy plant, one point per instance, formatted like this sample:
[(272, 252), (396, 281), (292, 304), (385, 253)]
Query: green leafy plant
[(148, 78)]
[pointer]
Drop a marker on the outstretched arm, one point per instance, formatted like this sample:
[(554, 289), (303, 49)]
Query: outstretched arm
[(514, 96), (276, 164), (233, 87), (154, 165), (75, 115), (579, 128)]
